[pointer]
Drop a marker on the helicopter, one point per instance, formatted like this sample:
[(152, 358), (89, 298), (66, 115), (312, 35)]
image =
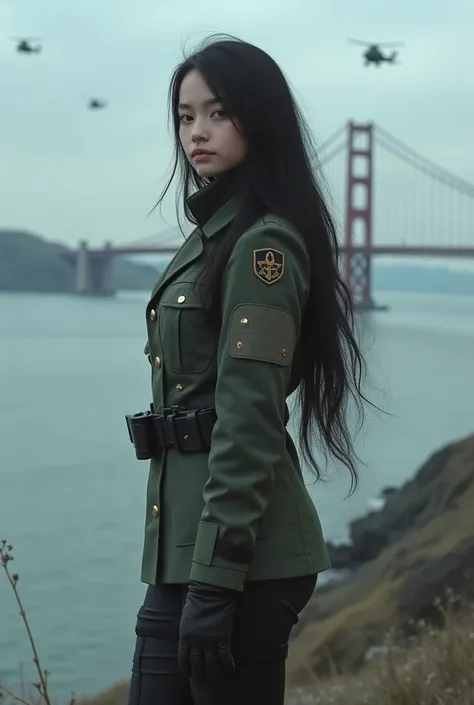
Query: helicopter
[(96, 104), (24, 45), (374, 55)]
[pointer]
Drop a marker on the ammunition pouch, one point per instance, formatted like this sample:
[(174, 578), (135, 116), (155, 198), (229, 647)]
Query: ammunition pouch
[(184, 430)]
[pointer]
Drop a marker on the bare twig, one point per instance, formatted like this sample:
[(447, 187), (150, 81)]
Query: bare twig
[(42, 686), (12, 695)]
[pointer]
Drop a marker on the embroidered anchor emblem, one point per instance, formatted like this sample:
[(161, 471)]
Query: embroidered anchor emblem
[(268, 265)]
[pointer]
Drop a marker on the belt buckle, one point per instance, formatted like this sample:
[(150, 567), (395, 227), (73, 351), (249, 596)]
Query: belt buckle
[(169, 415), (193, 438)]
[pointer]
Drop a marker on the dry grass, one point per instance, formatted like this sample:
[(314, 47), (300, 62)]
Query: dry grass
[(436, 667), (352, 616)]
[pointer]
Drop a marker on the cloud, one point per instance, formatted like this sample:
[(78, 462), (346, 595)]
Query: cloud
[(72, 173)]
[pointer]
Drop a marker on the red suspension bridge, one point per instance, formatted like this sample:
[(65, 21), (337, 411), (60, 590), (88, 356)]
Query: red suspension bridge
[(418, 209)]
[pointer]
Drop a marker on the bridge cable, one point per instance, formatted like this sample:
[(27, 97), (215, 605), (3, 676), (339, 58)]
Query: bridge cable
[(332, 138), (451, 208), (164, 239), (329, 157), (417, 160)]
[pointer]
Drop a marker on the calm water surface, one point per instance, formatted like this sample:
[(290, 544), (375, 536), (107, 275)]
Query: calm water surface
[(72, 494)]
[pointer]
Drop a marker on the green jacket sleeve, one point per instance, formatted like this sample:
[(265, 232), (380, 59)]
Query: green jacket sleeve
[(264, 289)]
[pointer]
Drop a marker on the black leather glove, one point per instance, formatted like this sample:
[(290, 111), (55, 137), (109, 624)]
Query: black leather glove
[(205, 631)]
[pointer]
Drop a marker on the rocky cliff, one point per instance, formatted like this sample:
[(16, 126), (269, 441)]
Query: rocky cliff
[(403, 557)]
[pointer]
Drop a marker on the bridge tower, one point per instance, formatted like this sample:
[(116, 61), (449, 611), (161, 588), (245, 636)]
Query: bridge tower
[(358, 225), (94, 270), (83, 268), (101, 272)]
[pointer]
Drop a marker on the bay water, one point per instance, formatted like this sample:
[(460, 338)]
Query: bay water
[(72, 493)]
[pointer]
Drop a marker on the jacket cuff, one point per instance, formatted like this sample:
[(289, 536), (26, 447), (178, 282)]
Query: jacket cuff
[(216, 575), (217, 564)]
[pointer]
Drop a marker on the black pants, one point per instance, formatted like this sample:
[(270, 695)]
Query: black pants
[(266, 612)]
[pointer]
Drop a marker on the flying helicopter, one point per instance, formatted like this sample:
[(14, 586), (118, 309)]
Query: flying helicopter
[(25, 46), (374, 55), (96, 104)]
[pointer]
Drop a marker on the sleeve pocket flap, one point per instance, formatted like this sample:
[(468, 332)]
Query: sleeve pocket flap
[(261, 332)]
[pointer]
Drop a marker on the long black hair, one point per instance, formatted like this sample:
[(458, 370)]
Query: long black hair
[(279, 178)]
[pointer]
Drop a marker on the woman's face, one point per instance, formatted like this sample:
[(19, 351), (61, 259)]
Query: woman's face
[(211, 141)]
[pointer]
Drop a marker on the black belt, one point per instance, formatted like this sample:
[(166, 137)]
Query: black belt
[(184, 430)]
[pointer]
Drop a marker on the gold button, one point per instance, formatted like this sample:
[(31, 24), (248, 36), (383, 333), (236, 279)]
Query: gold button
[(179, 387), (181, 299), (244, 321), (152, 315), (240, 346), (157, 362), (284, 353), (155, 511)]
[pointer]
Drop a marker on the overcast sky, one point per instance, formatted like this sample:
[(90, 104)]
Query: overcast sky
[(69, 173)]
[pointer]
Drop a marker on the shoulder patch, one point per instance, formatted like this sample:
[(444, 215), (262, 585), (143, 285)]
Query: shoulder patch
[(268, 265)]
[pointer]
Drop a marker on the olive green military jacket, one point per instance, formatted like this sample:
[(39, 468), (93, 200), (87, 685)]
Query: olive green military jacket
[(240, 511)]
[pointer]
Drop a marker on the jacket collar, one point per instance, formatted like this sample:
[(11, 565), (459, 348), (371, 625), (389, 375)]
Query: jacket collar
[(215, 205)]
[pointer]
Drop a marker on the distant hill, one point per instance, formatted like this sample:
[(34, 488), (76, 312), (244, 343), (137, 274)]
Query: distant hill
[(31, 263), (28, 262)]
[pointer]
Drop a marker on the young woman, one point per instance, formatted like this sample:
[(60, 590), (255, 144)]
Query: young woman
[(250, 310)]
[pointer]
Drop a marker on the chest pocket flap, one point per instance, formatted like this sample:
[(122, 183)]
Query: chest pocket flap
[(188, 341), (182, 295), (260, 332)]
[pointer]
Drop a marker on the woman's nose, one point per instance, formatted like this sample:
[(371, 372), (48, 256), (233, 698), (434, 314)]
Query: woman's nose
[(199, 131)]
